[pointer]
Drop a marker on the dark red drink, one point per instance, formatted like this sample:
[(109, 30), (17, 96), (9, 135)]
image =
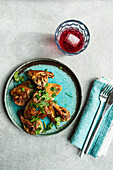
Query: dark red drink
[(71, 40)]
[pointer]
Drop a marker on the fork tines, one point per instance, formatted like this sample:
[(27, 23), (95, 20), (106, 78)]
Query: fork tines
[(107, 90)]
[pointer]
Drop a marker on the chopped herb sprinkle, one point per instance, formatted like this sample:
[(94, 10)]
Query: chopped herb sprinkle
[(54, 95), (55, 101), (58, 119), (53, 89), (60, 67), (22, 89), (46, 85), (39, 129), (31, 86), (18, 78), (48, 127), (68, 95), (45, 69)]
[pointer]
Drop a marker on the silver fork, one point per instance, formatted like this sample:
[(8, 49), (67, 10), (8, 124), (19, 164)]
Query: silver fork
[(103, 97)]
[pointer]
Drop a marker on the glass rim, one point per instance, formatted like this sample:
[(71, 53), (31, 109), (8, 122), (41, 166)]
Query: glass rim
[(79, 22)]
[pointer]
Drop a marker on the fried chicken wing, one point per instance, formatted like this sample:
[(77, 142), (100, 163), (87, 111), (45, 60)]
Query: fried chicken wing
[(39, 77), (54, 110), (32, 128), (21, 93), (50, 111), (62, 112)]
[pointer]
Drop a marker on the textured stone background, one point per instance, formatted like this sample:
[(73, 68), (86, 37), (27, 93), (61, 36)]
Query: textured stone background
[(27, 32)]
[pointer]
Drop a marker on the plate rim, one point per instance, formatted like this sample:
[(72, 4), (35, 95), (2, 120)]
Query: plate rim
[(10, 79)]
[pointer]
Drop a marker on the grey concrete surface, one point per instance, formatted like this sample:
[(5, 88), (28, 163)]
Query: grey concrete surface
[(27, 32)]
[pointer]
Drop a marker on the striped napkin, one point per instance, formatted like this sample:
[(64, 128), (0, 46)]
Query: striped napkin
[(104, 135)]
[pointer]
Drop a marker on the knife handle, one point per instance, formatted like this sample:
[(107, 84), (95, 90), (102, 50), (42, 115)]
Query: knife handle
[(97, 127)]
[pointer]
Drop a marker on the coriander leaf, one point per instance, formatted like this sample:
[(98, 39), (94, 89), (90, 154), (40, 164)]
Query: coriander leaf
[(69, 95), (48, 127), (22, 89), (34, 124), (38, 130), (40, 91), (21, 78), (34, 118), (32, 92), (57, 119), (55, 101), (37, 96), (44, 125), (46, 85), (44, 103), (34, 105), (44, 131), (46, 96), (16, 74), (42, 109), (45, 69), (60, 67), (54, 95), (16, 78), (53, 89), (31, 86)]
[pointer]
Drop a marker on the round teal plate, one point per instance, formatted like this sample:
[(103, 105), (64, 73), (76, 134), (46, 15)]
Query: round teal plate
[(63, 76)]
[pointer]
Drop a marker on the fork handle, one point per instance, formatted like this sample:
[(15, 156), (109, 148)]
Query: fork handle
[(91, 130)]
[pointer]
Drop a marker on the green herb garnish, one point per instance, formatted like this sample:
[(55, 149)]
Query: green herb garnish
[(53, 89), (32, 92), (55, 101), (69, 95), (31, 86), (48, 127), (34, 105), (22, 89), (21, 78), (18, 78), (60, 67), (34, 118), (54, 95), (46, 85), (37, 96), (45, 69), (44, 103), (43, 98), (58, 119), (39, 129), (45, 125)]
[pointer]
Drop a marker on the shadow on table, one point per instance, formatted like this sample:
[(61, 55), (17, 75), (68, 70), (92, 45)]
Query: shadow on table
[(80, 113), (35, 45)]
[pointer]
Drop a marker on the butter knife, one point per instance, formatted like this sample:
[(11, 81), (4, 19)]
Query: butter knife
[(107, 107)]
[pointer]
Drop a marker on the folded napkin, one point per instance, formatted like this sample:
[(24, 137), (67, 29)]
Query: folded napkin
[(100, 141)]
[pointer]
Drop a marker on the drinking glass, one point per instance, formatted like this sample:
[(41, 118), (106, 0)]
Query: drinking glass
[(76, 32)]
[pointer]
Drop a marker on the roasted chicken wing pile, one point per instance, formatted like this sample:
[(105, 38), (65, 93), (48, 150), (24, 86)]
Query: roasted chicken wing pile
[(37, 95)]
